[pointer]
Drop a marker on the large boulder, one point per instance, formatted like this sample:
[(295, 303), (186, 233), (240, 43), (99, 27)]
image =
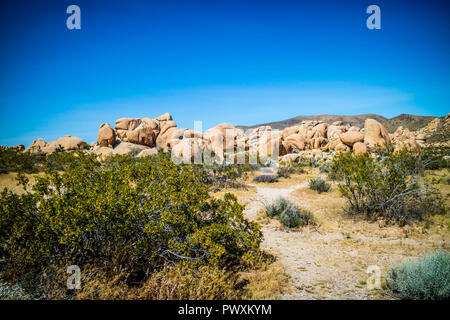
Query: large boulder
[(66, 143), (102, 152), (37, 146), (167, 138), (359, 148), (341, 147), (189, 149), (106, 135), (124, 148), (148, 153), (127, 123), (295, 143), (375, 134), (333, 131), (165, 117), (142, 135), (351, 137)]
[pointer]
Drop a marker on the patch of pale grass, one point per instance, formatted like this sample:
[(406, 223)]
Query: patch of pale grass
[(8, 181), (268, 282)]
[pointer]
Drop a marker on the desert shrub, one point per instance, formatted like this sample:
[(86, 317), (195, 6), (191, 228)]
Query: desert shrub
[(268, 178), (387, 185), (288, 214), (319, 185), (124, 214), (224, 175), (426, 278), (14, 160), (327, 168), (286, 171), (436, 157), (283, 172), (11, 292)]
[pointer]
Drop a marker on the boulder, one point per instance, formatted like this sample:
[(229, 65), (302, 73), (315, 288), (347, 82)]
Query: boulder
[(141, 135), (106, 135), (128, 148), (341, 147), (188, 149), (295, 143), (375, 134), (359, 148), (37, 146), (165, 139), (127, 123), (165, 117), (148, 153), (351, 137), (67, 143), (102, 152)]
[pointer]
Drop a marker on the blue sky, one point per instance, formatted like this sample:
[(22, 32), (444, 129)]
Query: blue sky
[(243, 62)]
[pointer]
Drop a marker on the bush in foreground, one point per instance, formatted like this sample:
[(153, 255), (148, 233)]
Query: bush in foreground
[(426, 278), (122, 215), (387, 185), (319, 185), (288, 214)]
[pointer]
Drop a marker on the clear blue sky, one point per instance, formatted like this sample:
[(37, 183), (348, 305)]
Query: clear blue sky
[(244, 62)]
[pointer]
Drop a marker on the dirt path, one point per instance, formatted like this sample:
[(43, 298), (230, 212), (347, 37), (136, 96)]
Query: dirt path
[(331, 263)]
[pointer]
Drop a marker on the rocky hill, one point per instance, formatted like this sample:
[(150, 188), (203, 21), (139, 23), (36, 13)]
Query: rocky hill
[(357, 121), (408, 121)]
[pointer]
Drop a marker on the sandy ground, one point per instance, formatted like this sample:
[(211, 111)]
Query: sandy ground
[(331, 262)]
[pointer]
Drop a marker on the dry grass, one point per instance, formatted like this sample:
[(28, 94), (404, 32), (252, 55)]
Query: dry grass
[(331, 262), (269, 282), (8, 181)]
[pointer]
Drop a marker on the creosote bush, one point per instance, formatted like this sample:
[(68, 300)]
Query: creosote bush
[(387, 185), (426, 278), (288, 214), (319, 185), (124, 214), (268, 178)]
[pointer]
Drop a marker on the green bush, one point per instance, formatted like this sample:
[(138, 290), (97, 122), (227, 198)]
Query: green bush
[(387, 185), (319, 185), (266, 178), (288, 214), (426, 278), (436, 157), (126, 214)]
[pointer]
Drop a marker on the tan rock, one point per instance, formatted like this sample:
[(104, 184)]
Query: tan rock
[(351, 137), (37, 146), (128, 148), (165, 117), (375, 134), (106, 135), (341, 147), (142, 135), (294, 143), (127, 123), (163, 140), (148, 153), (102, 152), (188, 149), (359, 148)]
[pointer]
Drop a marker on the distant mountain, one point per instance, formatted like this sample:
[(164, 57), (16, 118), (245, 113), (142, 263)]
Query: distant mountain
[(406, 120), (351, 120), (409, 121)]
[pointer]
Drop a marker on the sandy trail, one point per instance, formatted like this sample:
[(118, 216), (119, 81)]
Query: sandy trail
[(330, 263)]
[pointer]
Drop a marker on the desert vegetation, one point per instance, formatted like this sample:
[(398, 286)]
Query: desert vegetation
[(141, 226), (426, 278)]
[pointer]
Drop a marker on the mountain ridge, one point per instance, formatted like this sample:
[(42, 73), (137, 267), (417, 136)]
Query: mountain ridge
[(409, 121)]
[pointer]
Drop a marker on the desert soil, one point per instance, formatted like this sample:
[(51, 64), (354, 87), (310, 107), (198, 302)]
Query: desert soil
[(330, 262)]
